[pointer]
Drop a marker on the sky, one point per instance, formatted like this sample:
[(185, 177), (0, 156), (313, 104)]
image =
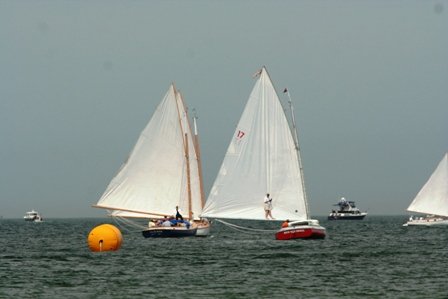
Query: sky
[(79, 80)]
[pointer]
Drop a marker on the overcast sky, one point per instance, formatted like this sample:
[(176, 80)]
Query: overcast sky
[(79, 80)]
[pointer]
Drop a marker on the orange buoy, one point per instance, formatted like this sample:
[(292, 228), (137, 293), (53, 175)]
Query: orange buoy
[(104, 237)]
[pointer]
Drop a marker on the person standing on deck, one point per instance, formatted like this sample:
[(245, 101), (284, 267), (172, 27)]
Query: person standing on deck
[(178, 215), (268, 206)]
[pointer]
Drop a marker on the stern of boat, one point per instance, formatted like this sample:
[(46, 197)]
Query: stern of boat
[(203, 227)]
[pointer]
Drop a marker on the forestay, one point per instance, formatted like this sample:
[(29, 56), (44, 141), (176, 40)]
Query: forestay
[(261, 158), (153, 181), (433, 197)]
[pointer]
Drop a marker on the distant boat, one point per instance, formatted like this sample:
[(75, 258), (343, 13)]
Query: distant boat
[(162, 172), (263, 157), (33, 216), (347, 211), (432, 199)]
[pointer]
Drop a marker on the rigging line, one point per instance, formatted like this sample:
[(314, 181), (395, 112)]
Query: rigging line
[(125, 223), (242, 228), (243, 231)]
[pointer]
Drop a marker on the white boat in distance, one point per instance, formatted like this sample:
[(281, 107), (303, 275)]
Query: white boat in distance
[(33, 216), (432, 199), (263, 157), (347, 211), (162, 172)]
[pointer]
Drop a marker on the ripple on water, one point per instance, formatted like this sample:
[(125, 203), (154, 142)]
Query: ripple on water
[(373, 258)]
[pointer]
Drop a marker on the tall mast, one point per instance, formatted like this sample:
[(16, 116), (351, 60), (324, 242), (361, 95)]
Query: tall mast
[(187, 159), (186, 150), (198, 156), (296, 141)]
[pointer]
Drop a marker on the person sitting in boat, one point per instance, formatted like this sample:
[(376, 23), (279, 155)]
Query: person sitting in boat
[(174, 221), (187, 223), (178, 215), (162, 220), (167, 223), (285, 224), (268, 206)]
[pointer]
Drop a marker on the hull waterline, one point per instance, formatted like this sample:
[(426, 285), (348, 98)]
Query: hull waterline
[(347, 217)]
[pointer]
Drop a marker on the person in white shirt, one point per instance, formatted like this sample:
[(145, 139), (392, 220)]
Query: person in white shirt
[(268, 206)]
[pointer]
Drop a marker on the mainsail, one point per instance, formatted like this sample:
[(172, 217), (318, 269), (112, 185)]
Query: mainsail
[(154, 179), (433, 197), (262, 158)]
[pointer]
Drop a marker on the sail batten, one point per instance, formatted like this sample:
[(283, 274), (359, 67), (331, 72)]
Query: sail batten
[(260, 159), (432, 199)]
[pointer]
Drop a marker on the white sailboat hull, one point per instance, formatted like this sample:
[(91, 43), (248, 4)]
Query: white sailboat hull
[(427, 222)]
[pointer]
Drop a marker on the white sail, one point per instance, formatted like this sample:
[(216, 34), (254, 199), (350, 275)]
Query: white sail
[(433, 197), (261, 158), (153, 181)]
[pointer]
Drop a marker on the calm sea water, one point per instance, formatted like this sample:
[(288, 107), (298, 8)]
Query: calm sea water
[(373, 258)]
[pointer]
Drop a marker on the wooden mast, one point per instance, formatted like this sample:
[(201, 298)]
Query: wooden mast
[(198, 156), (186, 151), (187, 154), (187, 159)]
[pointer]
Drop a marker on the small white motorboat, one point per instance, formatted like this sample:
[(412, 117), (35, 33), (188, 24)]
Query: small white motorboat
[(33, 216), (347, 211)]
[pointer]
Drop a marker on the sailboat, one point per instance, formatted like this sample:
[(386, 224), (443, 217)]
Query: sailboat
[(161, 174), (263, 157), (432, 199)]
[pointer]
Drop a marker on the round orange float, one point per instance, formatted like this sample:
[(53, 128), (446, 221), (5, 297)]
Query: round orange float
[(104, 237)]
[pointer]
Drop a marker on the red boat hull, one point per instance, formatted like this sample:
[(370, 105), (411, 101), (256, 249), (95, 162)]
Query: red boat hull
[(306, 232)]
